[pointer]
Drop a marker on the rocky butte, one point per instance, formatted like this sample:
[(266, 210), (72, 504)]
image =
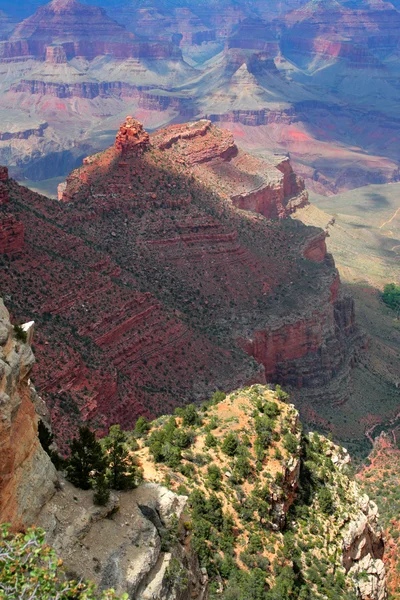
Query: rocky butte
[(171, 268)]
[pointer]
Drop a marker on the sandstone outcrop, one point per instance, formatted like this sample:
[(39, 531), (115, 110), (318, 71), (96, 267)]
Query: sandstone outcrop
[(27, 476), (131, 136)]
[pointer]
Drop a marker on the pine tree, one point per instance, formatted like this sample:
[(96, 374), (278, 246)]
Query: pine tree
[(123, 474), (86, 459), (101, 490)]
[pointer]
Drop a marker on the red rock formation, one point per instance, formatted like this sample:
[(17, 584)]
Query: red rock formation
[(131, 136), (173, 284), (11, 234), (27, 476), (207, 142), (315, 248), (284, 349)]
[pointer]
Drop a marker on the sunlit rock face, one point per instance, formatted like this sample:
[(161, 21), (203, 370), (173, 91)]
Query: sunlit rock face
[(27, 476)]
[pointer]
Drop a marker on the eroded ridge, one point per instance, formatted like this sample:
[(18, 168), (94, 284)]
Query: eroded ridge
[(171, 268)]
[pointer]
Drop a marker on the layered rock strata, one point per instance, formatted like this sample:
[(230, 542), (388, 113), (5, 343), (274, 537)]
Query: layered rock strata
[(175, 252), (27, 476), (64, 29)]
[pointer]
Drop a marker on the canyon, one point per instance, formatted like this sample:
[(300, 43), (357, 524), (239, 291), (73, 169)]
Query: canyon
[(318, 81), (174, 254)]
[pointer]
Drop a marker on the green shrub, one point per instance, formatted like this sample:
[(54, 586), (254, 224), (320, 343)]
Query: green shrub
[(210, 441), (326, 501), (101, 490), (122, 471), (20, 334), (280, 394), (391, 296), (214, 477), (142, 426), (290, 443), (190, 416), (218, 397), (230, 444)]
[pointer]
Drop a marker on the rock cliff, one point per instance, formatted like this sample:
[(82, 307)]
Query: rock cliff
[(27, 476), (363, 548)]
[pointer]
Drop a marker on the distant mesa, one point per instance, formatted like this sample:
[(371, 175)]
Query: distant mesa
[(64, 29)]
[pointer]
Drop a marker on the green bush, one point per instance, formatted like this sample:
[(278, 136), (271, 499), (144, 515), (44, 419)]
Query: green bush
[(190, 416), (280, 394), (326, 501), (214, 477), (142, 426), (20, 334), (391, 296), (218, 397), (290, 443), (230, 444), (210, 441), (101, 490)]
